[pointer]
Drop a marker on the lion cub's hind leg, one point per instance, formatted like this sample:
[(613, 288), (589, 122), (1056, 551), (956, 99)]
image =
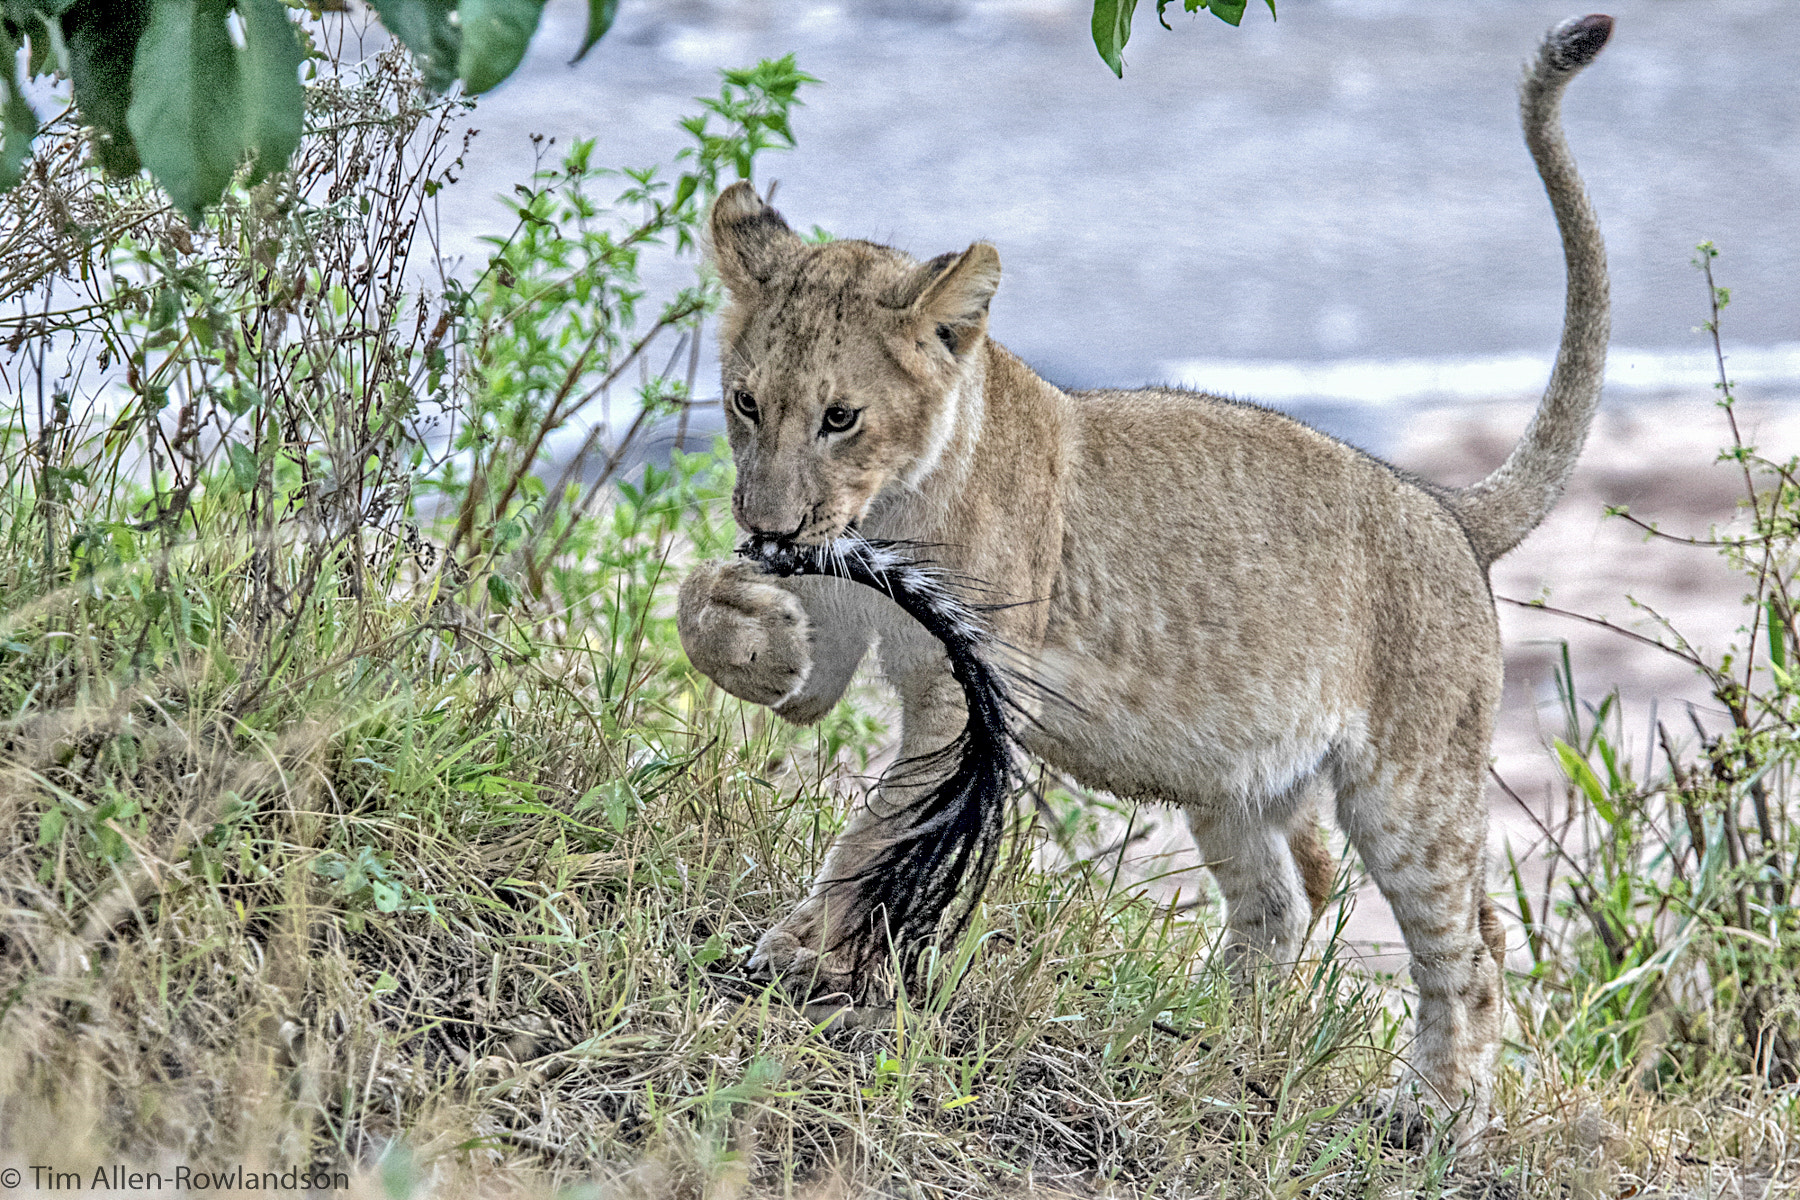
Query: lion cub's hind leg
[(1423, 839), (1273, 872)]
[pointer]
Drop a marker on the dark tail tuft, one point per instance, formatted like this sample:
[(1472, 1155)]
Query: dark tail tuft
[(922, 888), (1576, 42)]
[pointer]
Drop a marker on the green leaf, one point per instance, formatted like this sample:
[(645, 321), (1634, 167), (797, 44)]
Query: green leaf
[(1777, 634), (273, 99), (495, 34), (711, 952), (502, 591), (241, 398), (103, 38), (183, 83), (425, 27), (1614, 777), (50, 825), (387, 894), (243, 466), (18, 124), (1577, 769), (600, 19), (199, 104), (1229, 11), (1112, 29), (163, 308), (618, 800), (48, 53)]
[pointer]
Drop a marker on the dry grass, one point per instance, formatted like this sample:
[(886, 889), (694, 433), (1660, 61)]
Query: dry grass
[(548, 993)]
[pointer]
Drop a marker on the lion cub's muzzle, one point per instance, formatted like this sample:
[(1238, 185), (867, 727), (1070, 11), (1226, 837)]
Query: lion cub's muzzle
[(809, 533)]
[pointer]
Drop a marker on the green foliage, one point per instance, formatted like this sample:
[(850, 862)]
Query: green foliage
[(1112, 23), (753, 104), (201, 106), (601, 14), (552, 327), (102, 37), (24, 25), (1112, 29), (1675, 932), (495, 34), (163, 85), (225, 488), (430, 29)]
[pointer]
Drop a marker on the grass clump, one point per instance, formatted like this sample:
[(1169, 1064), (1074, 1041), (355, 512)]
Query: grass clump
[(358, 810)]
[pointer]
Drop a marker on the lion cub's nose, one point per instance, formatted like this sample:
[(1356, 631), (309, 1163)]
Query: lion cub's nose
[(765, 516)]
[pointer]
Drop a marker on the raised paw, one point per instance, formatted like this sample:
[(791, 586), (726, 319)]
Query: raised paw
[(743, 632)]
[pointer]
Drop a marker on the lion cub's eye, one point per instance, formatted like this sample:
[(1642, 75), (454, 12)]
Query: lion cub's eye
[(745, 403), (838, 419)]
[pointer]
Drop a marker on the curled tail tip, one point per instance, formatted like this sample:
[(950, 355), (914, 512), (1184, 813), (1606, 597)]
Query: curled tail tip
[(1574, 44)]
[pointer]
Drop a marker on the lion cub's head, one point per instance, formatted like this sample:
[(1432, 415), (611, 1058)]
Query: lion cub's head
[(844, 366)]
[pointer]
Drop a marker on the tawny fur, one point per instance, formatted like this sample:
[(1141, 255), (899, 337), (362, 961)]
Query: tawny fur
[(1244, 617)]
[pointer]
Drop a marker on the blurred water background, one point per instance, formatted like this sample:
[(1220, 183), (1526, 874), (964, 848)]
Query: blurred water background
[(1332, 212)]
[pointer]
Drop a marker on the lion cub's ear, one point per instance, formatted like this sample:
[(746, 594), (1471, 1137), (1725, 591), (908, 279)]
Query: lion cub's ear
[(948, 296), (750, 240)]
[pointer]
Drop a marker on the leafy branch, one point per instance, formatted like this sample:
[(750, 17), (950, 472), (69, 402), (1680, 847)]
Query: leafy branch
[(197, 90), (1112, 22)]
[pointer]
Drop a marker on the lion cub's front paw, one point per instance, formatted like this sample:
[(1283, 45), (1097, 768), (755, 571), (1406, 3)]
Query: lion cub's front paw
[(745, 634), (787, 952)]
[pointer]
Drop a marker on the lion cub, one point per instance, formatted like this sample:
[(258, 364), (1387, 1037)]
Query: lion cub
[(1237, 614)]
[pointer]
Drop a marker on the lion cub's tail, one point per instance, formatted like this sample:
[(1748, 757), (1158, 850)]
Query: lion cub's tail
[(1500, 510)]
